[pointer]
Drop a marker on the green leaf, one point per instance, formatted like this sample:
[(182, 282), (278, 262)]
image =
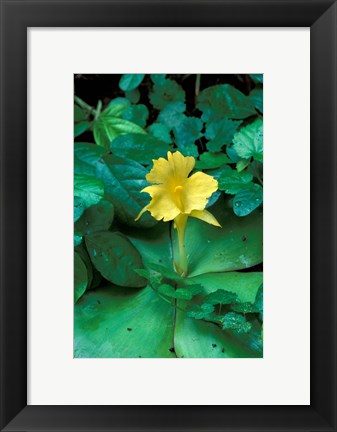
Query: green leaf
[(220, 133), (161, 132), (245, 308), (133, 96), (80, 127), (220, 296), (88, 191), (186, 133), (116, 107), (224, 101), (200, 311), (130, 81), (244, 285), (248, 142), (79, 114), (256, 95), (123, 181), (153, 244), (167, 272), (80, 277), (173, 114), (98, 217), (137, 114), (232, 181), (165, 92), (237, 245), (141, 148), (186, 293), (211, 160), (115, 257), (242, 164), (234, 321), (199, 339), (248, 200), (114, 322), (107, 128), (158, 78)]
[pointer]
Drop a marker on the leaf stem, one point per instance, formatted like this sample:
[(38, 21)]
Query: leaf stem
[(84, 105)]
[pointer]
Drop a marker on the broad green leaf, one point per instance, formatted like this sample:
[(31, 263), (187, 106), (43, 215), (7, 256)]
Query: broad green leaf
[(107, 128), (116, 107), (123, 180), (80, 277), (114, 322), (220, 133), (130, 81), (98, 217), (248, 200), (225, 101), (82, 252), (161, 132), (79, 114), (244, 285), (236, 322), (88, 191), (153, 244), (256, 95), (165, 92), (141, 148), (133, 96), (186, 133), (199, 339), (186, 293), (248, 142), (211, 160), (232, 181), (115, 257), (137, 114), (158, 78), (173, 114), (80, 127), (237, 245)]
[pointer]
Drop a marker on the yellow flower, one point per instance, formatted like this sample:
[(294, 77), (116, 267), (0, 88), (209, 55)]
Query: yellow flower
[(174, 193), (175, 196)]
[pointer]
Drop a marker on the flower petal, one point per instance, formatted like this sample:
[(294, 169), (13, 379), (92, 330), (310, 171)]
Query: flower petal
[(162, 205), (206, 216), (197, 189), (173, 170)]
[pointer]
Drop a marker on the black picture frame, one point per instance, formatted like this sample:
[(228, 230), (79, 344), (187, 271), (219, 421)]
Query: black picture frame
[(16, 17)]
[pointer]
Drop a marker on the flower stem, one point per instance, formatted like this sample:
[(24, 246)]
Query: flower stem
[(182, 264)]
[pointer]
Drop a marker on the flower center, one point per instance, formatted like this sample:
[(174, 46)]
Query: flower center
[(178, 189)]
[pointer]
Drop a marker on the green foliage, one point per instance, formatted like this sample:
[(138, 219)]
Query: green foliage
[(164, 92), (106, 128), (248, 142), (141, 148), (247, 200), (96, 218), (211, 160), (130, 82), (224, 100), (220, 133), (129, 299), (236, 322), (115, 257), (80, 277)]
